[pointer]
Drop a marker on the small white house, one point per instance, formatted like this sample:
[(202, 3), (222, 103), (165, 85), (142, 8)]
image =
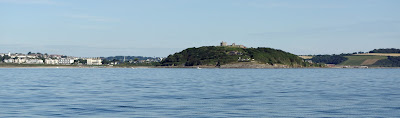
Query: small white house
[(8, 60)]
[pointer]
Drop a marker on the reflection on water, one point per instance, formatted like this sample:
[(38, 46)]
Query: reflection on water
[(199, 93)]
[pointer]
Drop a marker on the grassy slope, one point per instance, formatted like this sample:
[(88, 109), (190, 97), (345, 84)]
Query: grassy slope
[(356, 60), (306, 57)]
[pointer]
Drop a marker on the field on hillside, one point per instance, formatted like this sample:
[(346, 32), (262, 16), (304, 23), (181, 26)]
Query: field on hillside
[(358, 60), (380, 54), (306, 57)]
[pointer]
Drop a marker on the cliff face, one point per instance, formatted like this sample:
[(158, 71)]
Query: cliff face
[(221, 56)]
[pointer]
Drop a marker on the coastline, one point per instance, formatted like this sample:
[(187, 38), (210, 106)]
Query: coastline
[(186, 67), (68, 66)]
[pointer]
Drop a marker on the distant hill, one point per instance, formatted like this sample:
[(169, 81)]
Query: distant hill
[(372, 61), (380, 54), (376, 58), (220, 55), (360, 60)]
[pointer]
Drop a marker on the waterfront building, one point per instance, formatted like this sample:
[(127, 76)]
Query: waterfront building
[(20, 60), (34, 61), (8, 60), (93, 61), (65, 61), (51, 61)]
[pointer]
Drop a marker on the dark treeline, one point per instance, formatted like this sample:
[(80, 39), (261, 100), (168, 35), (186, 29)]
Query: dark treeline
[(390, 62), (329, 59), (127, 58), (2, 58), (386, 50)]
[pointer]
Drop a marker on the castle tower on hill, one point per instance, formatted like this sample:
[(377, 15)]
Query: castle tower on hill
[(223, 43), (233, 45)]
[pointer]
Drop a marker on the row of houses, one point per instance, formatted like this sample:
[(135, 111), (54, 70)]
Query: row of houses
[(61, 61), (24, 60), (32, 55), (39, 58)]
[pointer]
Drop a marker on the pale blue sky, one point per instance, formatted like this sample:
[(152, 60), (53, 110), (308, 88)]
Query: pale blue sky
[(162, 27)]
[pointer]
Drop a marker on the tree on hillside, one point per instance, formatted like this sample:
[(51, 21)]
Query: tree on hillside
[(105, 61), (329, 59), (82, 61), (389, 62), (2, 58)]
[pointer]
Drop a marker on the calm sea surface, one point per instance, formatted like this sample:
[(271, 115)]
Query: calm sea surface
[(129, 92)]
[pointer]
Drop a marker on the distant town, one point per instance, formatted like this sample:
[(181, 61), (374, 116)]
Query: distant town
[(57, 59)]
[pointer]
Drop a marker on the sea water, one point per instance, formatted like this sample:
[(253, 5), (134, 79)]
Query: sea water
[(126, 92)]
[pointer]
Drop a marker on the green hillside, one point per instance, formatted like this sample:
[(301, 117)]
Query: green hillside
[(361, 60), (217, 55), (389, 62)]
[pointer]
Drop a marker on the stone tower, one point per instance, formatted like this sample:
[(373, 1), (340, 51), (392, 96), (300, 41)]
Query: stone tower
[(224, 43)]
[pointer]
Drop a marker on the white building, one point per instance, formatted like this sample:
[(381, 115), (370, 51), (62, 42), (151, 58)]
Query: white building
[(20, 60), (31, 56), (65, 61), (34, 61), (18, 55), (8, 60), (95, 61), (51, 61), (55, 56), (114, 63)]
